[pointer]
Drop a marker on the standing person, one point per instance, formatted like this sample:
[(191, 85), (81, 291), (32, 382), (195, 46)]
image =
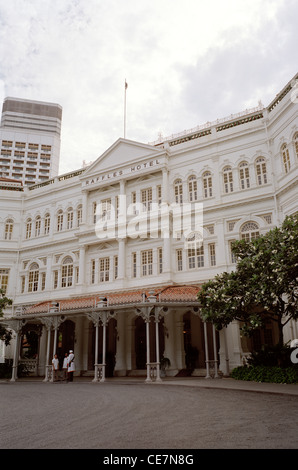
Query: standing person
[(55, 368), (65, 367), (71, 366)]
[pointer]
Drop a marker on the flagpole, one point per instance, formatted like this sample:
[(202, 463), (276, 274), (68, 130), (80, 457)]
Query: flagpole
[(125, 87)]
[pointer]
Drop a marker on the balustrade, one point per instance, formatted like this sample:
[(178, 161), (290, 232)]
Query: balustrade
[(29, 365), (99, 372), (154, 371)]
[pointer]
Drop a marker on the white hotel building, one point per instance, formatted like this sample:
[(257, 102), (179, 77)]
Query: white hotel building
[(109, 294)]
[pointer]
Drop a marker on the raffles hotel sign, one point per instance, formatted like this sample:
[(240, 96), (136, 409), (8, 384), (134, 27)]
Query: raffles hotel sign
[(131, 170)]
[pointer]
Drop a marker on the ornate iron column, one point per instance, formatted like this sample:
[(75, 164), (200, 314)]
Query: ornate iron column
[(158, 316), (17, 326), (48, 322), (56, 324), (95, 318), (144, 312), (100, 317), (147, 321)]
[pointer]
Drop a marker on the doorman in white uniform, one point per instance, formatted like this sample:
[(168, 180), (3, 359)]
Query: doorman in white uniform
[(71, 365)]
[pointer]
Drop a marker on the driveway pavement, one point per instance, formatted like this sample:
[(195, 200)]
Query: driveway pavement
[(130, 414)]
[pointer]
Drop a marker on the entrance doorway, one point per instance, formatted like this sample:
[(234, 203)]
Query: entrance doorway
[(66, 337), (111, 342), (140, 341)]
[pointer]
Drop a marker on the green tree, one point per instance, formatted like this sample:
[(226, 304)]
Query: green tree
[(5, 335), (262, 286)]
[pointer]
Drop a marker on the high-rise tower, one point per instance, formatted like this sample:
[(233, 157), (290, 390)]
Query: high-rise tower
[(30, 140)]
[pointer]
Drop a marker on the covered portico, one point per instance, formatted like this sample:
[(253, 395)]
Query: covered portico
[(159, 323)]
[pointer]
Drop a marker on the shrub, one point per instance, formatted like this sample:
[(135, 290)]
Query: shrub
[(5, 369), (271, 356), (271, 374)]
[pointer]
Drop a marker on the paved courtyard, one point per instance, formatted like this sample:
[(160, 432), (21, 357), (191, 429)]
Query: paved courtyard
[(84, 415)]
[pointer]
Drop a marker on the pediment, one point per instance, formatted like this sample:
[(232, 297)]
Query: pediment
[(122, 153), (104, 246)]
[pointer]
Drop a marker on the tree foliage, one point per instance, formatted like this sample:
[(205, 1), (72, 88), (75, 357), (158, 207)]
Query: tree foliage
[(5, 335), (262, 286)]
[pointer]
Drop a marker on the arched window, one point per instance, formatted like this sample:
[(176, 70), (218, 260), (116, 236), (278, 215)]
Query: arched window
[(249, 231), (228, 179), (47, 223), (178, 191), (261, 171), (69, 218), (67, 272), (33, 277), (192, 188), (60, 221), (8, 229), (244, 175), (207, 184), (296, 144), (37, 226), (285, 158), (28, 228), (195, 250)]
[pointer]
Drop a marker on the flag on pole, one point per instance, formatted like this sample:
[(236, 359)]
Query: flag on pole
[(125, 87)]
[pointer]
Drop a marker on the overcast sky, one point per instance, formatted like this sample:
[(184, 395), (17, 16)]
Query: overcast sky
[(186, 62)]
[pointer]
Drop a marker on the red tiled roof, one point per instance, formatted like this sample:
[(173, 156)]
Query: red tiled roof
[(10, 180), (166, 294), (179, 294)]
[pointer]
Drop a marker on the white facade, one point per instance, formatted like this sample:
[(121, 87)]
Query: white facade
[(30, 140), (243, 170)]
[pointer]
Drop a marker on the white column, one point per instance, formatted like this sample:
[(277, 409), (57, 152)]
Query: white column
[(226, 351), (26, 282), (49, 273), (221, 251), (233, 336), (206, 351), (79, 343), (158, 379), (179, 342), (215, 353), (59, 281), (84, 207), (104, 329), (121, 258), (167, 256), (18, 331), (165, 186), (82, 265), (55, 339), (148, 379), (46, 379), (52, 220), (165, 224), (170, 340), (96, 352), (121, 220)]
